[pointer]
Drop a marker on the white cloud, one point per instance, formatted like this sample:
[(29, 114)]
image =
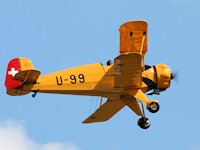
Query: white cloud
[(14, 137)]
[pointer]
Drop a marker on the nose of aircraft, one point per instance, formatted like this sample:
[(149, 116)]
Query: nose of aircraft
[(164, 76)]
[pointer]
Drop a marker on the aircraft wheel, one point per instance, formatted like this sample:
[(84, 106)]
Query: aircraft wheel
[(144, 123), (153, 107), (33, 95)]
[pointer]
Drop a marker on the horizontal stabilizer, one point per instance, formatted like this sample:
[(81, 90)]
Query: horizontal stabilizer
[(16, 92), (28, 76)]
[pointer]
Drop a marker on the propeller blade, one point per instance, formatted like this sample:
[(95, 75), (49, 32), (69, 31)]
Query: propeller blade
[(174, 76)]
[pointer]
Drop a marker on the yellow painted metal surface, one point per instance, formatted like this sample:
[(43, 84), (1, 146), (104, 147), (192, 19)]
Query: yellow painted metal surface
[(25, 64), (138, 94), (134, 37), (128, 71), (105, 112), (124, 83), (132, 103), (81, 80), (163, 76)]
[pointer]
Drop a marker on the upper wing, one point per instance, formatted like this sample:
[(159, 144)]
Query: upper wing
[(128, 71), (105, 112), (133, 37)]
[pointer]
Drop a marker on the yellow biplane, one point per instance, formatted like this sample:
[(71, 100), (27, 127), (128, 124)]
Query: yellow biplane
[(123, 83)]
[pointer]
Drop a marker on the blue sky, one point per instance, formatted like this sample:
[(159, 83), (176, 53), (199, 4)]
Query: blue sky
[(65, 33)]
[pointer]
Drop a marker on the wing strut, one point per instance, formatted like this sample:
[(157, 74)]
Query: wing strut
[(142, 44), (101, 101)]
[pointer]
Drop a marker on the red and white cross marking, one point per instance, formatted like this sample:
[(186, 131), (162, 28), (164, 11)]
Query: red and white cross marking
[(13, 72)]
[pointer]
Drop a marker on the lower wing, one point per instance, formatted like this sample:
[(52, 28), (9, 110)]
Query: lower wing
[(111, 107)]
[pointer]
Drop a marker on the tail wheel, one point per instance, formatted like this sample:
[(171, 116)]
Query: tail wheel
[(153, 107), (144, 123), (34, 94)]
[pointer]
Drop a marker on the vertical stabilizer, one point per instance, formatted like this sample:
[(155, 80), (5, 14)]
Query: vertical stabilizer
[(12, 69), (20, 72)]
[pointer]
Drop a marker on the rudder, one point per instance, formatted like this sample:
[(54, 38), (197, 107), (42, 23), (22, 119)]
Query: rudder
[(12, 69)]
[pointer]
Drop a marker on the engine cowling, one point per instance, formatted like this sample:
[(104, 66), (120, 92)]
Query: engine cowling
[(163, 76)]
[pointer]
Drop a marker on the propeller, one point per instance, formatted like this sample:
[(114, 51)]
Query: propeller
[(174, 76)]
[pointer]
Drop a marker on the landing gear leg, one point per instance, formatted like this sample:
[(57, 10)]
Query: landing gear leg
[(144, 122)]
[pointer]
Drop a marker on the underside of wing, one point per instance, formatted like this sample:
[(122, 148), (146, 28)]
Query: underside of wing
[(105, 112), (128, 71), (132, 103), (111, 107), (133, 37)]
